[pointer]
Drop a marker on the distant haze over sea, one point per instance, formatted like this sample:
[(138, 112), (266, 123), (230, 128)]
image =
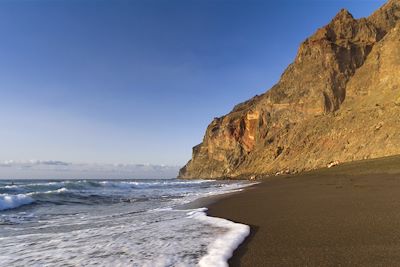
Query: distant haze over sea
[(54, 169)]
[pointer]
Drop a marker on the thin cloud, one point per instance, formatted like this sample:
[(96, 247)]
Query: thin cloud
[(10, 169)]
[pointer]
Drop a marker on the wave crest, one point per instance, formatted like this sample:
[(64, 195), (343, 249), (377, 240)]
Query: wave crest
[(14, 201)]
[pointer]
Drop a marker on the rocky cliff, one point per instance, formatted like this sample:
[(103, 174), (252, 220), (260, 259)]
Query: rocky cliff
[(338, 101)]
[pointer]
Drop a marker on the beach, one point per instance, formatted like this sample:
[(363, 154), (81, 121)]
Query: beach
[(348, 215)]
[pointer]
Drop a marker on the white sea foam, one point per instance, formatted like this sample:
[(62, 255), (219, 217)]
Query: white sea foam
[(148, 232), (221, 249), (144, 185), (9, 201), (58, 191), (11, 186), (158, 239), (13, 201)]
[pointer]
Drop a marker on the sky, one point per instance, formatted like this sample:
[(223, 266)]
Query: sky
[(137, 82)]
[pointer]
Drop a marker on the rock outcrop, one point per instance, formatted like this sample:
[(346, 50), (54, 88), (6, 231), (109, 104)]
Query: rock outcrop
[(338, 101)]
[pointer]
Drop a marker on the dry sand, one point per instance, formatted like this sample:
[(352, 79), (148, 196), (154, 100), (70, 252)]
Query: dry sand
[(348, 215)]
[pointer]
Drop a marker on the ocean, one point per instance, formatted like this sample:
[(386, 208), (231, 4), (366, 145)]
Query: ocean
[(114, 223)]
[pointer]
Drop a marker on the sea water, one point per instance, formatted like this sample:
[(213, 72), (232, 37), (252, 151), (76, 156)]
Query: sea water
[(114, 223)]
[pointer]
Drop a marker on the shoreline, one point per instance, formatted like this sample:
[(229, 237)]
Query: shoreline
[(206, 201), (222, 248), (347, 215)]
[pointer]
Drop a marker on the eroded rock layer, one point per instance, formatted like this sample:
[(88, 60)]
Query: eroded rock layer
[(338, 101)]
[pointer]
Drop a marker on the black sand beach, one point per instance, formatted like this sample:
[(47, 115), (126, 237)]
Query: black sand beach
[(348, 215)]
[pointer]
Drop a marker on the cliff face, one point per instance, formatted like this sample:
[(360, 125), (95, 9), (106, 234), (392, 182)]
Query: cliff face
[(338, 101)]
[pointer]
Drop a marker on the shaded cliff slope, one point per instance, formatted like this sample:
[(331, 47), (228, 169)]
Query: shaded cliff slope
[(338, 101)]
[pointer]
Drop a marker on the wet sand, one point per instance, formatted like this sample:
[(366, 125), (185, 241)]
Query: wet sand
[(348, 215)]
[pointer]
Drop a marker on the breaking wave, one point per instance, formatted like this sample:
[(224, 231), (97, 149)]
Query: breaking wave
[(14, 201)]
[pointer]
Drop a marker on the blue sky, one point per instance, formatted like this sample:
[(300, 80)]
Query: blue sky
[(138, 81)]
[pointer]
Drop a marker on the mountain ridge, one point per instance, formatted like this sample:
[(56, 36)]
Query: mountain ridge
[(325, 107)]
